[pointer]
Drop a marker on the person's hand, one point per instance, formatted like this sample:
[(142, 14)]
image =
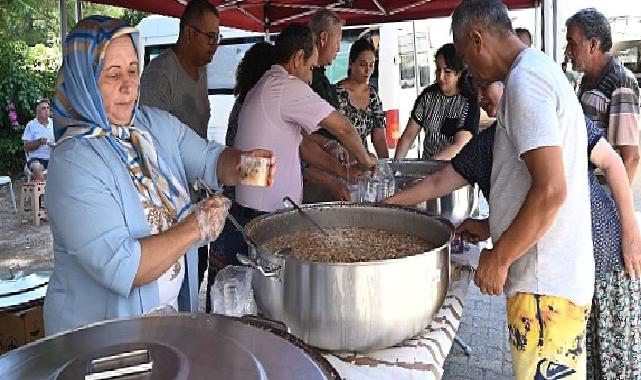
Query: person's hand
[(265, 154), (370, 164), (631, 246), (42, 140), (51, 143), (474, 230), (490, 274), (210, 216), (339, 190)]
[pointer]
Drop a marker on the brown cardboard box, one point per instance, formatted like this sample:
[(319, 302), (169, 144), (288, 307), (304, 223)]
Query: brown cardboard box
[(20, 327)]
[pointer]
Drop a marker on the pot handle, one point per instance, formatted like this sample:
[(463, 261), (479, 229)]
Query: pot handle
[(253, 263)]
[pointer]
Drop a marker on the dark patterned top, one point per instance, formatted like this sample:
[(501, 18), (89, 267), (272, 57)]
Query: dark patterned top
[(474, 163), (441, 117), (613, 104), (366, 119), (321, 85)]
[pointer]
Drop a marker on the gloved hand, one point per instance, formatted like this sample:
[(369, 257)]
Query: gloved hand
[(211, 214)]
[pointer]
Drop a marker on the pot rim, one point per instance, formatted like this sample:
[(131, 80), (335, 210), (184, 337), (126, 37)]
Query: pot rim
[(330, 205)]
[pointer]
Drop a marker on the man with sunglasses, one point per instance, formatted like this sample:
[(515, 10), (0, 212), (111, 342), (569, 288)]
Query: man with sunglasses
[(176, 80)]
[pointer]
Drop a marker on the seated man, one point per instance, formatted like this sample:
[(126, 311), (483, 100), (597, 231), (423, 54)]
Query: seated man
[(38, 140)]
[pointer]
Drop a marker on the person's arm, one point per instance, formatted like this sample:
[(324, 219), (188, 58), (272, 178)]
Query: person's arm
[(210, 161), (315, 156), (329, 182), (623, 125), (378, 132), (460, 139), (341, 127), (606, 159), (435, 185), (407, 138), (88, 224), (380, 143), (542, 203), (30, 146), (630, 157), (28, 142)]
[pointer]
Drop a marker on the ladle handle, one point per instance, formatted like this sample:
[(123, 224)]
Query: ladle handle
[(309, 218)]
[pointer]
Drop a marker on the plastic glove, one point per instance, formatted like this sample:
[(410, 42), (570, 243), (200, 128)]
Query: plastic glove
[(210, 215)]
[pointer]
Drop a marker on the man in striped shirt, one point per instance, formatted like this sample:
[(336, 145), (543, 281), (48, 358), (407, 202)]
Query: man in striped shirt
[(609, 93)]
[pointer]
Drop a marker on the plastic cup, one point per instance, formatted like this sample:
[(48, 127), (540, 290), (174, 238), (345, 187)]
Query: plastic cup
[(254, 171)]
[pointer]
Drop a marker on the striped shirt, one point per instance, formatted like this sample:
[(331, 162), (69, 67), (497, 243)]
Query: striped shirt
[(613, 104), (441, 117)]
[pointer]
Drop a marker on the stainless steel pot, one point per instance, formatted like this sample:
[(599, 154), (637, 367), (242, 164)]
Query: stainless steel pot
[(352, 306), (456, 206), (181, 346)]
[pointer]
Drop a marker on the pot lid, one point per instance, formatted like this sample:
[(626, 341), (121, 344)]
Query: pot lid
[(181, 346), (16, 292)]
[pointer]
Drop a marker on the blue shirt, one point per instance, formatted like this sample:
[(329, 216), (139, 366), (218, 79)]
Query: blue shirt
[(97, 219)]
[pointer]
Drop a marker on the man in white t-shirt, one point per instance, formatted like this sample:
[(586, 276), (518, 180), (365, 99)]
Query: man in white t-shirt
[(38, 140), (539, 205)]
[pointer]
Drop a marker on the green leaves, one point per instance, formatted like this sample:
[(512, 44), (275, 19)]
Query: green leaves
[(26, 75)]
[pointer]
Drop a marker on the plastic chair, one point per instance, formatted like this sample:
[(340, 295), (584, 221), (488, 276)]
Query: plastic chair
[(6, 181)]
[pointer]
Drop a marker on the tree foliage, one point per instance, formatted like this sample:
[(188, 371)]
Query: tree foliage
[(30, 56)]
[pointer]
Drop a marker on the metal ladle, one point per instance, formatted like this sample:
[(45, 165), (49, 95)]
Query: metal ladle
[(307, 217), (200, 184)]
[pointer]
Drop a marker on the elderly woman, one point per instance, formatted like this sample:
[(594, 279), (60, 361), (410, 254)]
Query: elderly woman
[(612, 337), (123, 227), (447, 111)]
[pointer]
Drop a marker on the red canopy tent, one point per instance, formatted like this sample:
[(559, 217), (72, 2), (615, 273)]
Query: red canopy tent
[(261, 15)]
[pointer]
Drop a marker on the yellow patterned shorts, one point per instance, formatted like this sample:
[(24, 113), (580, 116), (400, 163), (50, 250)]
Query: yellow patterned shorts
[(547, 337)]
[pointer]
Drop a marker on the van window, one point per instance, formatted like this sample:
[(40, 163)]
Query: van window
[(406, 65), (422, 56)]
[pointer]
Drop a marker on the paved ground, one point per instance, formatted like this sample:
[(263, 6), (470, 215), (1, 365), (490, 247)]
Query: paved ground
[(483, 327)]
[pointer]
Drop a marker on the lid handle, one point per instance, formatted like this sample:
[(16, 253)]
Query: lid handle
[(127, 363)]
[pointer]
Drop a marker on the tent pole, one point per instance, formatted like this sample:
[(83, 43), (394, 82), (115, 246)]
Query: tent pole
[(63, 20), (78, 10), (268, 22)]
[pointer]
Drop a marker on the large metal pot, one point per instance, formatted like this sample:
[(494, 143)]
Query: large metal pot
[(181, 346), (352, 306), (456, 206)]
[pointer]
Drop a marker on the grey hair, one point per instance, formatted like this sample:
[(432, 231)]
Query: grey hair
[(593, 24), (324, 20), (490, 15)]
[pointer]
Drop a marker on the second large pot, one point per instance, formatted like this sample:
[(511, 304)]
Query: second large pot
[(353, 306), (457, 206)]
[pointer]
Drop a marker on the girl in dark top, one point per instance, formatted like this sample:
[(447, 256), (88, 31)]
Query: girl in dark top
[(612, 335), (359, 101), (441, 111)]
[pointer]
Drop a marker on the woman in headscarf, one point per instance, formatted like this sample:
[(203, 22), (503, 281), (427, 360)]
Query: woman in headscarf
[(123, 227)]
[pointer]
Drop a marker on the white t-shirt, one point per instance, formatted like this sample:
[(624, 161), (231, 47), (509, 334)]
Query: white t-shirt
[(539, 109), (34, 131)]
